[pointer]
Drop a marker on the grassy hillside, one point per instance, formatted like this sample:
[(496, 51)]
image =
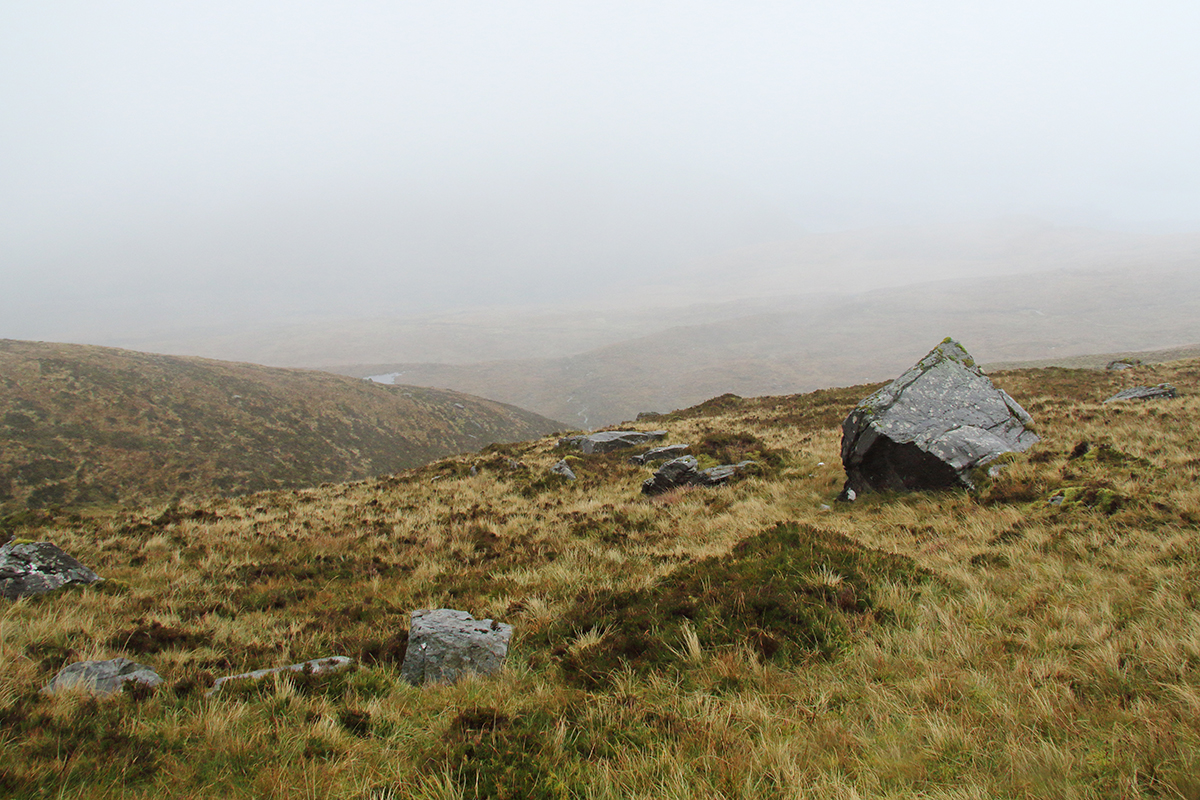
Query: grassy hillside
[(85, 425), (752, 641), (843, 341)]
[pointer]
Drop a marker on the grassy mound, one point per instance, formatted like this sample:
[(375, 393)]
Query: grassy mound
[(791, 592)]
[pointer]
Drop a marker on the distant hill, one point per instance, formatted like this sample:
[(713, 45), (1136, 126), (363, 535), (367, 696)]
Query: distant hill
[(81, 424), (845, 340)]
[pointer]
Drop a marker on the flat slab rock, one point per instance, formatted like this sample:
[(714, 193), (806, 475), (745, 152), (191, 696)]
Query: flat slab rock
[(102, 677), (608, 441), (444, 645), (931, 427), (318, 666), (683, 472), (665, 453), (29, 568), (1162, 390)]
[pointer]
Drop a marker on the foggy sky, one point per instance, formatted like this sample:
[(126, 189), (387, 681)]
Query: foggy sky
[(167, 164)]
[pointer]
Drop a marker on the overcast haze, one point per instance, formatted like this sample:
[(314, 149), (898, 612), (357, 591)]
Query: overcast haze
[(169, 164)]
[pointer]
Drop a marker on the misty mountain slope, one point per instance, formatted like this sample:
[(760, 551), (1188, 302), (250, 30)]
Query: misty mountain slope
[(81, 424), (808, 272), (849, 340)]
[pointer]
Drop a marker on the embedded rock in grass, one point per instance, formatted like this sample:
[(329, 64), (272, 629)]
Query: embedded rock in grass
[(660, 454), (103, 677), (444, 645), (931, 427), (1123, 363), (608, 441), (28, 568), (1163, 390), (318, 666), (682, 472), (564, 469)]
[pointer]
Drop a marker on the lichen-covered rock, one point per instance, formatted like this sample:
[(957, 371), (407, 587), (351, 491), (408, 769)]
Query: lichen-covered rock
[(28, 568), (102, 677), (444, 645), (931, 427), (665, 453), (1162, 390), (608, 441), (683, 472), (563, 469), (318, 666)]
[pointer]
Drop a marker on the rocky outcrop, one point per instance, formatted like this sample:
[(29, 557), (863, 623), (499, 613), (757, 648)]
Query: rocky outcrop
[(683, 472), (665, 453), (931, 427), (608, 441), (1123, 363), (318, 666), (563, 469), (36, 567), (102, 677), (1161, 391), (444, 645)]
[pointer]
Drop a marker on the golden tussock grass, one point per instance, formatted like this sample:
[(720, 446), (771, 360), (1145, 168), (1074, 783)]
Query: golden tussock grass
[(1031, 650)]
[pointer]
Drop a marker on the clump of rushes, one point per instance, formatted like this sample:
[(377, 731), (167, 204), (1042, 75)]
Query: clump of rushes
[(787, 592)]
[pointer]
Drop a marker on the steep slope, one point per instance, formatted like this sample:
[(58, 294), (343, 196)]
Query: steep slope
[(82, 424), (845, 341)]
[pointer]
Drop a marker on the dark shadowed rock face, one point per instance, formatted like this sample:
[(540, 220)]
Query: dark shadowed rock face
[(683, 472), (35, 567), (931, 426)]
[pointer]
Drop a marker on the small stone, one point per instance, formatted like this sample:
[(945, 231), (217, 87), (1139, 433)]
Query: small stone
[(1161, 391), (564, 469), (102, 677), (318, 666), (664, 453), (444, 645)]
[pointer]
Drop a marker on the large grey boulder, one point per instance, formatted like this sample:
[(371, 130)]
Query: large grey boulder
[(683, 472), (444, 645), (608, 441), (1161, 391), (36, 567), (318, 666), (931, 427), (102, 677)]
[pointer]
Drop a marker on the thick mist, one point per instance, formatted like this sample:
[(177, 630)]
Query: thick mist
[(221, 166)]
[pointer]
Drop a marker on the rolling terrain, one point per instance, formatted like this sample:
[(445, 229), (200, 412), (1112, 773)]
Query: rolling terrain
[(840, 341), (756, 640), (86, 425)]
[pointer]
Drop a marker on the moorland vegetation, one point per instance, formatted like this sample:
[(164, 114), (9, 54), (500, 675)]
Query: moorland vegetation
[(84, 426), (755, 640)]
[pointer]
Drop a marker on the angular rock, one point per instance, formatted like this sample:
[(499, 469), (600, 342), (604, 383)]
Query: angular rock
[(444, 645), (318, 666), (660, 454), (102, 677), (36, 567), (682, 472), (1123, 363), (608, 441), (564, 469), (931, 427), (1162, 390)]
